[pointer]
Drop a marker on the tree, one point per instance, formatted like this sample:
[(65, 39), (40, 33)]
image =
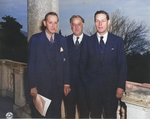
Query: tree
[(13, 42), (90, 29), (134, 34), (11, 24), (139, 67)]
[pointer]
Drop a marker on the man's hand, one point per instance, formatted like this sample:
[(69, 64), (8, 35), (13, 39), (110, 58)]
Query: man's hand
[(119, 92), (67, 89), (33, 92)]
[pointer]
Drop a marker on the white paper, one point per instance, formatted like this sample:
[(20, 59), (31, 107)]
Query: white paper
[(41, 103)]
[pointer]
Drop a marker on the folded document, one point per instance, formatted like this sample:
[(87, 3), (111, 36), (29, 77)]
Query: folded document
[(41, 103)]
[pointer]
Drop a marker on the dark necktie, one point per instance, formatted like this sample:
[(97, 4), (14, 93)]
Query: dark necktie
[(102, 45), (77, 43), (51, 40)]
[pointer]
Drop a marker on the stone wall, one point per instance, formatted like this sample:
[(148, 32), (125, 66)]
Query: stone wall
[(13, 82), (137, 99), (8, 70)]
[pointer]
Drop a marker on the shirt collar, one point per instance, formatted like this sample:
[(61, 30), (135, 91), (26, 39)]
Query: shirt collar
[(104, 37), (75, 38), (49, 36)]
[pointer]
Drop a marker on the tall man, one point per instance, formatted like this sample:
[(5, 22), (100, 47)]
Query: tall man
[(77, 95), (48, 66), (104, 68)]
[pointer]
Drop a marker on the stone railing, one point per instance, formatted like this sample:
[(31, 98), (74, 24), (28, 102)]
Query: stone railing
[(9, 70), (6, 79), (13, 84), (137, 100)]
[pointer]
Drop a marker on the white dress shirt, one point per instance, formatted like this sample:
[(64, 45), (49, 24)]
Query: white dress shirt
[(49, 36), (75, 38), (104, 37)]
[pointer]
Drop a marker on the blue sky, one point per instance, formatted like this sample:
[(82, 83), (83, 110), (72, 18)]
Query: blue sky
[(16, 9), (138, 10)]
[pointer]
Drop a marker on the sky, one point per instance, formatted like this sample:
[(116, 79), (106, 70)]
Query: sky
[(16, 9), (138, 10)]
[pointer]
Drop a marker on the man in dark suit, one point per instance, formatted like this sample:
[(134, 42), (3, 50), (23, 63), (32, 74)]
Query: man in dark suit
[(77, 95), (48, 66), (104, 69)]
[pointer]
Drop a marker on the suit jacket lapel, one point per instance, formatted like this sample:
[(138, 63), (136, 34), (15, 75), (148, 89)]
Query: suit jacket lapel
[(59, 57), (71, 44), (96, 45), (108, 47), (45, 45), (59, 47), (58, 43), (84, 38)]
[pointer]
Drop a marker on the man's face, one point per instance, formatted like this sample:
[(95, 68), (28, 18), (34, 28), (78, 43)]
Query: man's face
[(101, 23), (77, 26), (51, 24)]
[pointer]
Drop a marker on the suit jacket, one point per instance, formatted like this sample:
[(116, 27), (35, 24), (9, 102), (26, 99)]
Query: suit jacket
[(111, 70), (38, 63), (74, 57)]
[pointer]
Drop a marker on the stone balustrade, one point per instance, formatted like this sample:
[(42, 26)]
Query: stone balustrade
[(9, 70), (12, 81), (13, 84), (137, 99)]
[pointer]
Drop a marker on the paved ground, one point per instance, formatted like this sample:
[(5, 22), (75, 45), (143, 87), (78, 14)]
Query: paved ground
[(6, 105)]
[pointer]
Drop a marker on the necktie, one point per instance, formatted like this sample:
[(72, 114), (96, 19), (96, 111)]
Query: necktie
[(77, 43), (51, 40), (102, 45)]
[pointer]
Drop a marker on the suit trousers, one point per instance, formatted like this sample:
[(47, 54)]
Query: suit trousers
[(99, 102), (54, 110), (76, 98)]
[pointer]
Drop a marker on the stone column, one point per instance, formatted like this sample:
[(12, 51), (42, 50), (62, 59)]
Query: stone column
[(20, 107), (6, 79), (37, 9), (3, 79), (19, 98), (137, 99)]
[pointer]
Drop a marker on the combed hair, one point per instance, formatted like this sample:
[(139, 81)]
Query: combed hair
[(50, 13), (101, 12), (76, 16)]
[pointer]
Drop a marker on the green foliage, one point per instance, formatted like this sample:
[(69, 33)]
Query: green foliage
[(139, 67), (11, 24), (13, 42)]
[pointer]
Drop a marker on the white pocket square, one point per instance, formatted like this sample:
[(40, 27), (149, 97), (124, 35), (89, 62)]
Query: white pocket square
[(64, 59), (112, 48), (61, 49)]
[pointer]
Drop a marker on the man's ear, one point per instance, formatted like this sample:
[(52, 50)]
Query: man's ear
[(109, 24), (44, 22)]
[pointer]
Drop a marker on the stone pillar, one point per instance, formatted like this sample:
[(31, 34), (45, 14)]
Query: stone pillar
[(19, 87), (6, 79), (3, 79), (20, 104), (137, 99), (37, 10)]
